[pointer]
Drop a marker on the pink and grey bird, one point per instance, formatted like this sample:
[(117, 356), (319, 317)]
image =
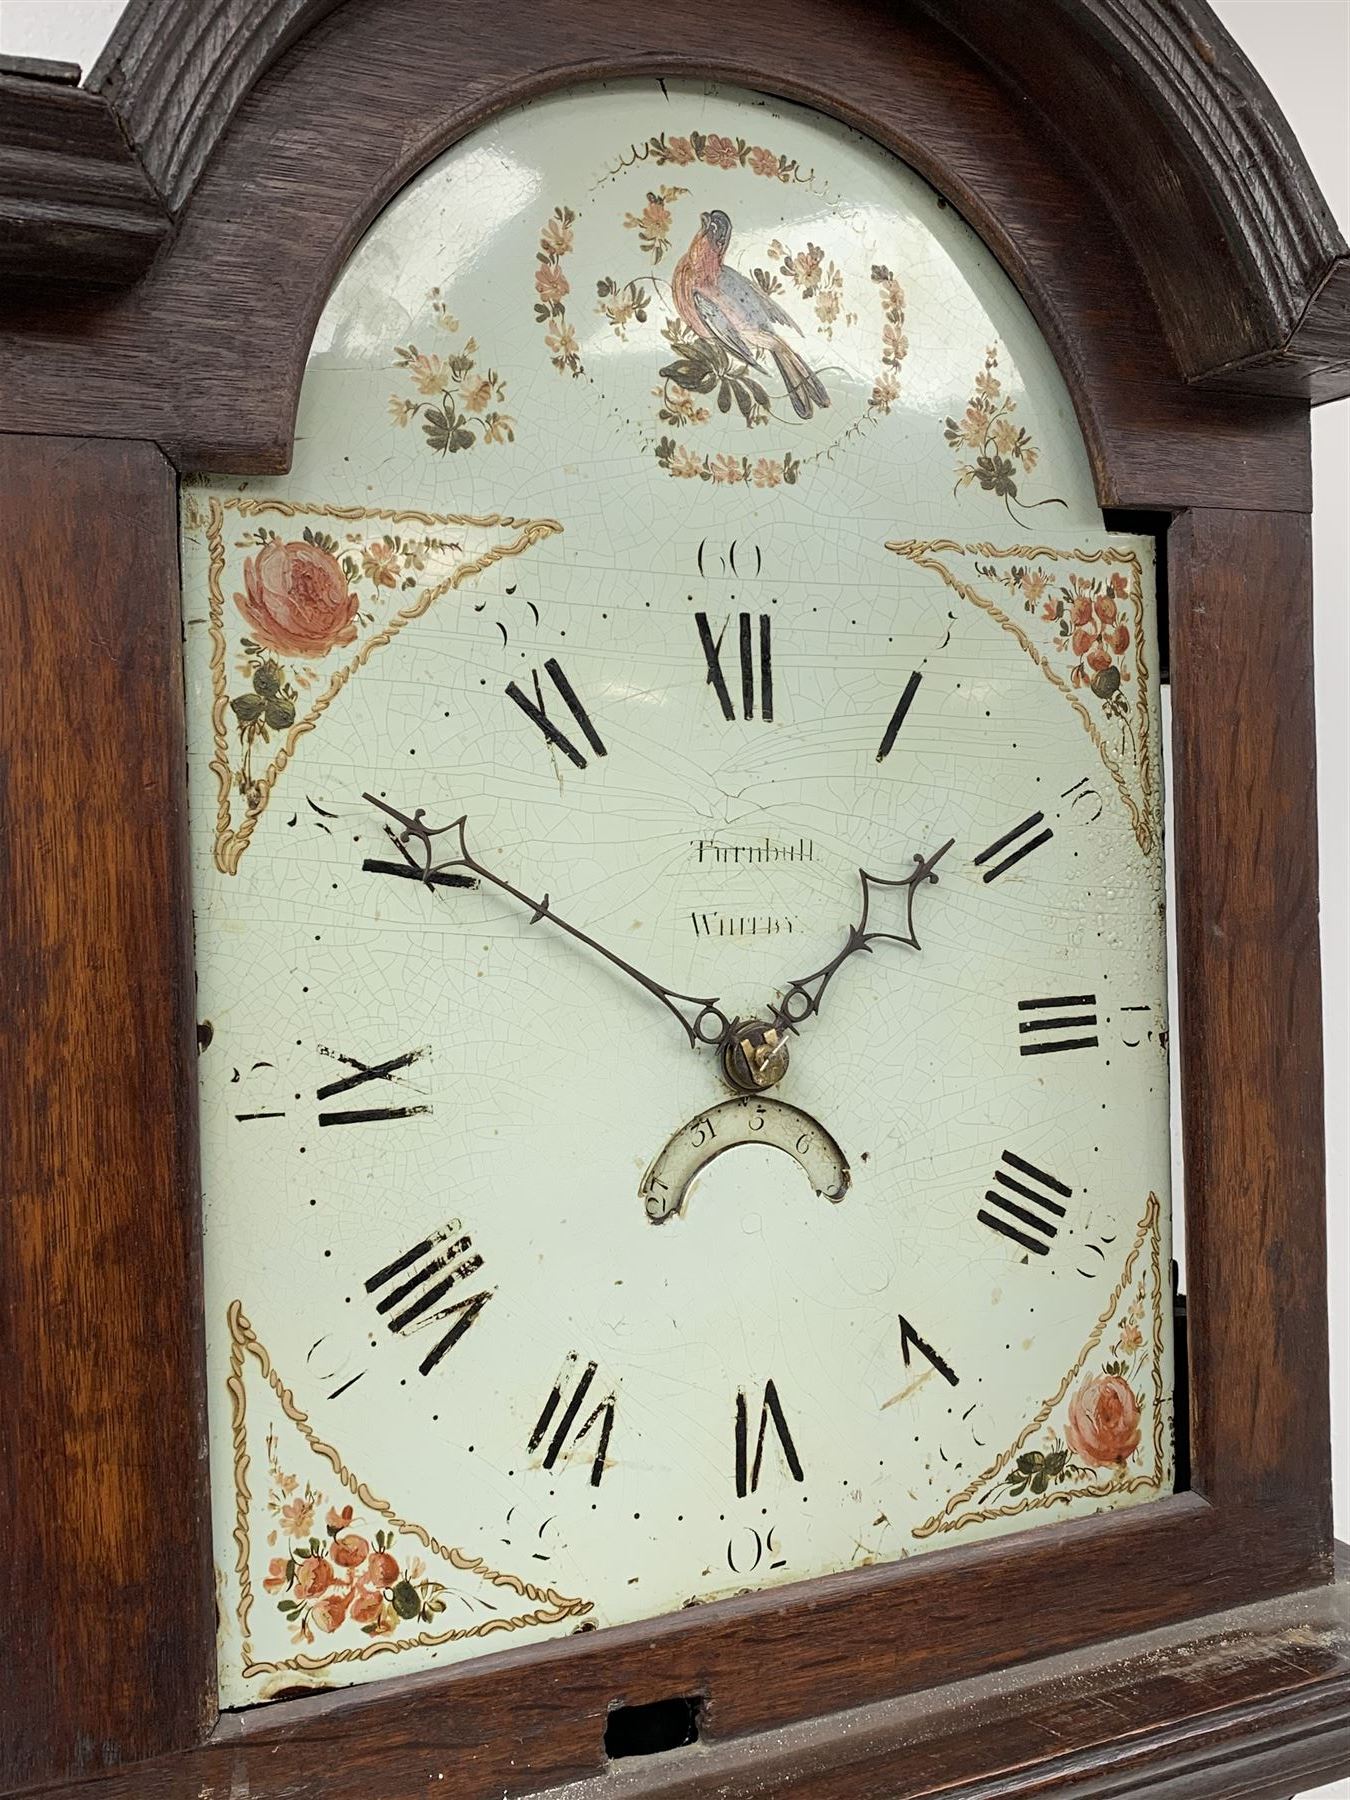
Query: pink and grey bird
[(718, 304)]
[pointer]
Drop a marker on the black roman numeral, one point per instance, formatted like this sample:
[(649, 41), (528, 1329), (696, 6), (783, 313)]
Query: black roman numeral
[(909, 1337), (902, 707), (1018, 1182), (751, 666), (1057, 1024), (537, 711), (1009, 838), (362, 1073), (429, 1270), (368, 1115), (409, 871), (748, 1471), (599, 1420)]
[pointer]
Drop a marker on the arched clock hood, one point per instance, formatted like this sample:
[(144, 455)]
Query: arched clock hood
[(171, 232), (208, 148)]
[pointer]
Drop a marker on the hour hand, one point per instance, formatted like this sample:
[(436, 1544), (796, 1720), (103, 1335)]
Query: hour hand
[(802, 997), (702, 1020)]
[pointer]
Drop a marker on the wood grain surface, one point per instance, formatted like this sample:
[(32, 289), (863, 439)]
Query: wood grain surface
[(75, 204), (1248, 1708), (1186, 143), (108, 1622), (1244, 756)]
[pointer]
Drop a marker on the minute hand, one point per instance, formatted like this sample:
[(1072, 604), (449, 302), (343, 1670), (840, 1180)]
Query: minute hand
[(702, 1020), (802, 997)]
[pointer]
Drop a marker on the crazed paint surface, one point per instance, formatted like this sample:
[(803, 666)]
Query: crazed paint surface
[(685, 502)]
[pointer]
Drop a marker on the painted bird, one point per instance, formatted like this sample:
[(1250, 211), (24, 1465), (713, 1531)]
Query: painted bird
[(717, 303)]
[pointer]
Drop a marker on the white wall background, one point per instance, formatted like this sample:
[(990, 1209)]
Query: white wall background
[(1302, 48)]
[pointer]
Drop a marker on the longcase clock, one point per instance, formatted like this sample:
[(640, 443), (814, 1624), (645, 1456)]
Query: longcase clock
[(592, 1196)]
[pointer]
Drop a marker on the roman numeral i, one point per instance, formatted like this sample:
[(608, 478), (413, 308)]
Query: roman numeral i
[(756, 667), (899, 716)]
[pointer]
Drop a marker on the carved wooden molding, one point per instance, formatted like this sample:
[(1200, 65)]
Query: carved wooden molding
[(177, 70), (1186, 146), (1189, 147), (74, 201)]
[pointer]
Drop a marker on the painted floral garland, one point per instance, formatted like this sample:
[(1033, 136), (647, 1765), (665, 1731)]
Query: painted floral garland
[(1102, 1429), (368, 1570), (1088, 612), (702, 370)]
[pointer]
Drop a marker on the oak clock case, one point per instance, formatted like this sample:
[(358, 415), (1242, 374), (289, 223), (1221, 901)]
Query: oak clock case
[(677, 872), (320, 398)]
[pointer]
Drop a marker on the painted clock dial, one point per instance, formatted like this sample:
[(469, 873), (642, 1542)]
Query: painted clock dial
[(678, 888)]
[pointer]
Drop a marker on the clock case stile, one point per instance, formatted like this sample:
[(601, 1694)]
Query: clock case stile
[(1191, 369)]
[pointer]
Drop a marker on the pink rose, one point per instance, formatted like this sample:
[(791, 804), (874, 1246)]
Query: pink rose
[(1103, 1423), (350, 1550), (313, 1576), (297, 599)]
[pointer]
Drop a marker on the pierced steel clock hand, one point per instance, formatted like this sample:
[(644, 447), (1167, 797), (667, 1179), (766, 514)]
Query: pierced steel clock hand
[(702, 1020), (803, 996), (755, 1054)]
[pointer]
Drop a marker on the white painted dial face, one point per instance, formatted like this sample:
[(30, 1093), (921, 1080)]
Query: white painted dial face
[(688, 608)]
